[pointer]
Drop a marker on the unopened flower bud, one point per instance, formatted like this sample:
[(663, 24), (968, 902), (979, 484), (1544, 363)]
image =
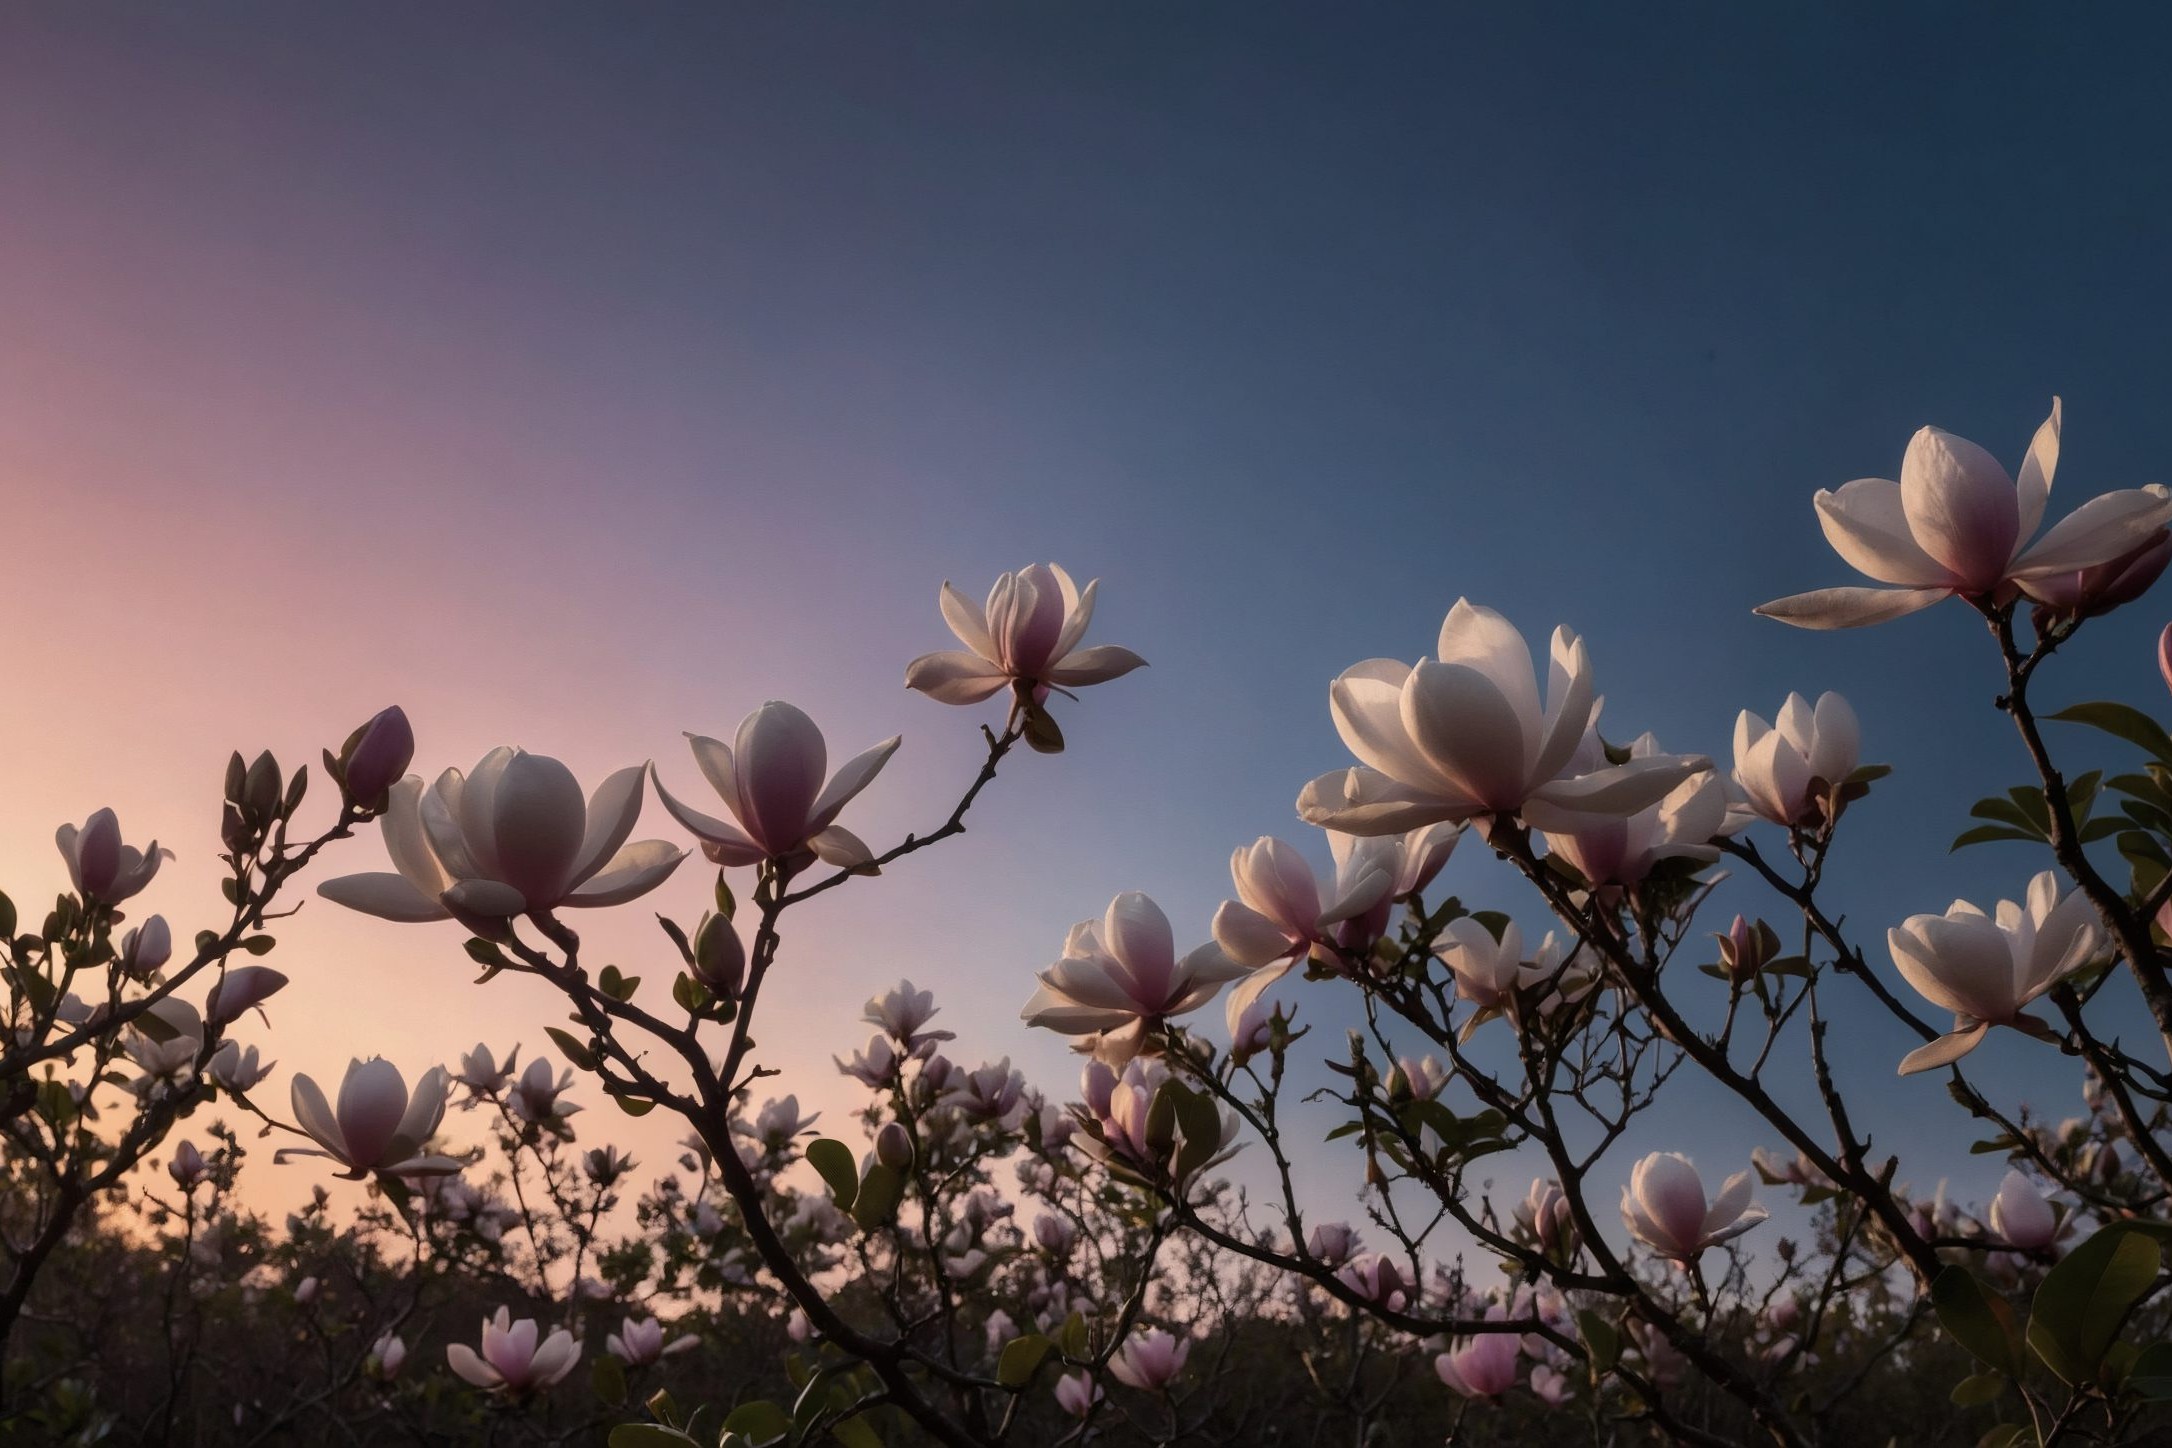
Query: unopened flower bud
[(146, 947), (894, 1146), (376, 756), (720, 960)]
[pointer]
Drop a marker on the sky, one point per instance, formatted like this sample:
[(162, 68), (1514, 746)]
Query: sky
[(575, 376)]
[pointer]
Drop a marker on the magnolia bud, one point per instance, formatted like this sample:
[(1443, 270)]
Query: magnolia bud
[(720, 960), (146, 947), (261, 787), (894, 1146), (98, 853), (376, 756)]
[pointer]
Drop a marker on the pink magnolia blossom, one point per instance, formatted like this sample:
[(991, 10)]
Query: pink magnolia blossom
[(902, 1012), (2094, 592), (1624, 850), (1076, 1393), (2021, 1217), (1483, 1365), (1410, 860), (513, 838), (480, 1072), (1027, 635), (1664, 1207), (512, 1360), (1334, 1243), (146, 947), (640, 1342), (235, 1067), (1278, 918), (387, 1355), (239, 991), (1488, 972), (1547, 1217), (1120, 977), (1986, 968), (1785, 770), (1377, 1279), (188, 1166), (377, 1126), (1956, 525), (376, 757), (1150, 1360), (100, 866), (771, 778), (537, 1097), (1465, 737)]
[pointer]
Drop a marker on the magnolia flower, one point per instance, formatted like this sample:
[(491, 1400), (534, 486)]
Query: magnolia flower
[(512, 838), (2093, 592), (1664, 1207), (146, 947), (511, 1361), (1150, 1360), (1076, 1393), (1465, 736), (2021, 1217), (771, 779), (235, 1067), (101, 867), (1409, 860), (640, 1342), (239, 991), (535, 1097), (1547, 1217), (876, 1067), (188, 1166), (386, 1356), (1053, 1234), (377, 1126), (992, 1093), (1787, 774), (1377, 1279), (1334, 1243), (902, 1011), (480, 1072), (1277, 917), (1624, 850), (1027, 636), (894, 1146), (603, 1165), (305, 1291), (375, 757), (1488, 972), (1985, 969), (1121, 977), (1956, 525), (1123, 1108), (1483, 1366)]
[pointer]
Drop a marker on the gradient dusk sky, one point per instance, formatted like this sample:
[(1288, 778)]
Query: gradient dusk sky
[(575, 375)]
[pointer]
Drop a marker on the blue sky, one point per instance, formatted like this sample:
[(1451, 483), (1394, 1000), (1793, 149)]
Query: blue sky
[(600, 373)]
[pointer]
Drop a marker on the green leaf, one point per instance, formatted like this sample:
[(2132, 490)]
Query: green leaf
[(2123, 721), (1200, 1122), (1986, 834), (690, 993), (2150, 1374), (1978, 1319), (632, 1105), (760, 1421), (1020, 1358), (649, 1435), (2084, 1301), (7, 918), (572, 1049), (856, 1433), (835, 1161), (2005, 1435), (1974, 1392), (608, 1378), (1077, 1343), (1601, 1340), (726, 906), (880, 1191)]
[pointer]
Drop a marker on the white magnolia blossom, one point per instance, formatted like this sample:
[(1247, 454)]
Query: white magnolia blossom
[(1624, 850), (1664, 1207), (1028, 634), (1786, 769), (1465, 737), (102, 868), (1956, 525), (513, 1361), (376, 1126), (513, 838), (640, 1342), (771, 778), (1986, 968), (2021, 1217), (1278, 917), (1120, 976)]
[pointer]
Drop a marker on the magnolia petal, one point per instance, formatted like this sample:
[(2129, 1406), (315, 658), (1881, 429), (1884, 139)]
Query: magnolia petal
[(1621, 789), (492, 898), (1944, 1051), (629, 874), (1366, 802), (1249, 937), (385, 895), (462, 1360), (1831, 608), (966, 621), (1961, 507), (1096, 665), (841, 847), (612, 811), (707, 828), (314, 1115), (857, 773), (2100, 530), (2032, 484), (1249, 990), (953, 677), (1868, 527)]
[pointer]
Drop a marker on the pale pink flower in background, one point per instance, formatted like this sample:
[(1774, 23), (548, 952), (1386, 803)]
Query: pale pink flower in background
[(2021, 1217), (771, 778), (1786, 769), (146, 947), (1120, 976), (1076, 1393), (512, 1360), (1423, 1077), (187, 1167), (640, 1342), (235, 1067), (377, 1126), (387, 1354), (1545, 1213), (1053, 1234), (1464, 737), (1986, 968), (305, 1292), (876, 1067), (480, 1072), (1484, 1365), (1277, 917), (902, 1012), (603, 1165), (1956, 525), (536, 1097), (1487, 971), (1253, 1030), (1410, 860), (239, 991), (1027, 635), (513, 838), (2094, 592), (1551, 1385), (993, 1093), (1664, 1207), (1150, 1359), (1624, 850), (100, 866), (1377, 1279), (1334, 1243)]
